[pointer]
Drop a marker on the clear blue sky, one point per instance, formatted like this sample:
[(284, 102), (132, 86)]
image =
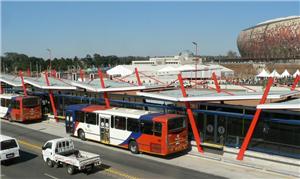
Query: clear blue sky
[(131, 28)]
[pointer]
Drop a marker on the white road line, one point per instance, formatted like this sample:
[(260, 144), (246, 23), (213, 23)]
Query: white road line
[(50, 176)]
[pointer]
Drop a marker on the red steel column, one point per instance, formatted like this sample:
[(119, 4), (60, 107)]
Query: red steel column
[(295, 83), (107, 103), (214, 77), (190, 115), (23, 84), (254, 121), (81, 74), (51, 97), (138, 77), (28, 72)]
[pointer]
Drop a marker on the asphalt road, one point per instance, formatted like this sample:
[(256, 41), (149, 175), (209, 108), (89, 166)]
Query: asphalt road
[(115, 164)]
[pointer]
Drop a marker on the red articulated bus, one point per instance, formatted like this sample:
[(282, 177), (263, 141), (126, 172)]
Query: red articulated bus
[(20, 108), (137, 130)]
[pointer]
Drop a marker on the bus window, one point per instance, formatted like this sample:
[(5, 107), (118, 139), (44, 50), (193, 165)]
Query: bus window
[(3, 102), (147, 127), (79, 116), (132, 125), (15, 104), (176, 124), (157, 128), (90, 118), (7, 102), (120, 122), (31, 102)]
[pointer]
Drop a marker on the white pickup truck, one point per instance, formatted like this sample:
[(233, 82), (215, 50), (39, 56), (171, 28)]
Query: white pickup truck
[(61, 152)]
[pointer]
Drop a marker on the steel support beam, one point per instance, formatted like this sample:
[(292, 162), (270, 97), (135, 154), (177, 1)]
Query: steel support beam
[(28, 72), (296, 81), (214, 77), (254, 121), (107, 102), (138, 77), (51, 97), (190, 116), (23, 83), (81, 74)]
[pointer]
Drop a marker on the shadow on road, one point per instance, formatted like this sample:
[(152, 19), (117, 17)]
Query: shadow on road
[(24, 157)]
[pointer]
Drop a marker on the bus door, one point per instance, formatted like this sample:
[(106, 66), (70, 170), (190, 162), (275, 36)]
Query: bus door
[(92, 126), (69, 122), (104, 128)]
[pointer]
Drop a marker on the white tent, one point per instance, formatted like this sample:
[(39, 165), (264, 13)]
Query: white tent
[(296, 73), (167, 69), (274, 74), (285, 74), (263, 74), (119, 70)]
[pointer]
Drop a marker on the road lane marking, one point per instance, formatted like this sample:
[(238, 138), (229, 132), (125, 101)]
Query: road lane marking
[(109, 170), (119, 173), (29, 144), (48, 175)]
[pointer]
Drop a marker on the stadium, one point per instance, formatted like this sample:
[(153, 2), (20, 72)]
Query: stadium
[(276, 39)]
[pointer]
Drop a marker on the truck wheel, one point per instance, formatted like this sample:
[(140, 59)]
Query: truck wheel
[(50, 163), (81, 134), (133, 147), (70, 169)]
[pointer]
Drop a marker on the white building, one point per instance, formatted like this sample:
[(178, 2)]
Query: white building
[(185, 57)]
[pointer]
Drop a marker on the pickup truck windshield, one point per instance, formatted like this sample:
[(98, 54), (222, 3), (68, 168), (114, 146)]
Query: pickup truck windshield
[(7, 144)]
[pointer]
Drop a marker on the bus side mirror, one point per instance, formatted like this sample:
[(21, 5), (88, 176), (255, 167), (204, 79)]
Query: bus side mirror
[(43, 147)]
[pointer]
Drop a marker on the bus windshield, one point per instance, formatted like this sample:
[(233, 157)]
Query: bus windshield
[(176, 124), (31, 102)]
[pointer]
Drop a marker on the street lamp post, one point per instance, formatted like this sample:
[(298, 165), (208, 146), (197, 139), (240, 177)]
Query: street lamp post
[(196, 62), (50, 56)]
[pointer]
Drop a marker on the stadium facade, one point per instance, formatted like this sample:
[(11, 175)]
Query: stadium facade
[(274, 39)]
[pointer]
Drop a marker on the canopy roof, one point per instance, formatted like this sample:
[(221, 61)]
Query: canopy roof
[(110, 86), (11, 80), (55, 83), (195, 95), (291, 104)]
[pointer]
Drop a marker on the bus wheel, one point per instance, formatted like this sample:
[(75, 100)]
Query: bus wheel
[(70, 169), (50, 163), (133, 147), (81, 134)]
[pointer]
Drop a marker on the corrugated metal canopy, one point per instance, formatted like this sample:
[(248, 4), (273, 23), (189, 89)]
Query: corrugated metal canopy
[(11, 80), (110, 86), (55, 83), (210, 95), (291, 104)]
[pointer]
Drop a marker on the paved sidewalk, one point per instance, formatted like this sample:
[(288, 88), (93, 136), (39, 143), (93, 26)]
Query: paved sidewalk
[(208, 163)]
